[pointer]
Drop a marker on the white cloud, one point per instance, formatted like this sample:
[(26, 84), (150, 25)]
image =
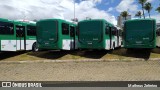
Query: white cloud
[(127, 5), (42, 9), (110, 9), (157, 17), (94, 1), (132, 6), (150, 0)]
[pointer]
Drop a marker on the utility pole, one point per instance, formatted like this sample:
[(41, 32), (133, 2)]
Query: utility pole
[(74, 10)]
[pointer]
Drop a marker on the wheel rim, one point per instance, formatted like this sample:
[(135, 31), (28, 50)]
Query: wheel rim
[(35, 48)]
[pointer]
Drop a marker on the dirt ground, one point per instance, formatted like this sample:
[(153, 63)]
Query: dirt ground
[(116, 65), (81, 71)]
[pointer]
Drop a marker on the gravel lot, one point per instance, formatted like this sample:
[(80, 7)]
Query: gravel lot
[(81, 71)]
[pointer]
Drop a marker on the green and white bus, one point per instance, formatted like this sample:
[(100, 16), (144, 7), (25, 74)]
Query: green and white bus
[(17, 36), (158, 37), (140, 33), (56, 34), (98, 34), (119, 41)]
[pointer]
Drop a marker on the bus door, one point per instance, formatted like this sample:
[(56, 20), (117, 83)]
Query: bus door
[(20, 37), (72, 35), (110, 36), (118, 36)]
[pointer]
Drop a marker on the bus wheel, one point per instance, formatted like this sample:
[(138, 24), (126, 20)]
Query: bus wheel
[(113, 46), (34, 47)]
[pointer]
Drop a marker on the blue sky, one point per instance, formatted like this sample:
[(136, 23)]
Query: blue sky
[(63, 9), (110, 6), (106, 4)]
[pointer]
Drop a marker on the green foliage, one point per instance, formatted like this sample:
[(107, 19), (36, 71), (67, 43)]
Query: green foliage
[(158, 9), (142, 2), (148, 7), (138, 14), (124, 14)]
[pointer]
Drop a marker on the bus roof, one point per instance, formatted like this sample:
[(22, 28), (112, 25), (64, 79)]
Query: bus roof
[(2, 19), (53, 19), (5, 20), (140, 20), (96, 20), (24, 23), (92, 20), (17, 22), (28, 23)]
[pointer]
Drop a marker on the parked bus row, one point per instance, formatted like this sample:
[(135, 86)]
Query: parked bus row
[(56, 34), (97, 34), (101, 35)]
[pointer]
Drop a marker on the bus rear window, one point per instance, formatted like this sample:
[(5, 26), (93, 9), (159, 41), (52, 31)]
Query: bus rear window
[(6, 28), (31, 30)]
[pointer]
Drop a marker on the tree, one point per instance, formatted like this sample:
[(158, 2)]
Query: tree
[(138, 14), (148, 7), (124, 14), (142, 2), (158, 9)]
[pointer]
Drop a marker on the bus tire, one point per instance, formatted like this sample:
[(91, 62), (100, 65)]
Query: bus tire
[(113, 46), (34, 47)]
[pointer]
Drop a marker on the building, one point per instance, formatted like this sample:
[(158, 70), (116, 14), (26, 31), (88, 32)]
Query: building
[(120, 21)]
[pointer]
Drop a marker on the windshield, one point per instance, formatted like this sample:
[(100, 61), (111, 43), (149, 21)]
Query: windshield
[(139, 30), (90, 31), (47, 31)]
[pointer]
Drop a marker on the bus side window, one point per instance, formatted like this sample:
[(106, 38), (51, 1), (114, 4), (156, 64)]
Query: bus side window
[(72, 31), (77, 30), (65, 29), (6, 28), (114, 31), (120, 33), (158, 32), (107, 30), (20, 31), (31, 30)]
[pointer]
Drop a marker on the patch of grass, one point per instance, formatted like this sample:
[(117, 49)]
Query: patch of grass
[(154, 55), (118, 54)]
